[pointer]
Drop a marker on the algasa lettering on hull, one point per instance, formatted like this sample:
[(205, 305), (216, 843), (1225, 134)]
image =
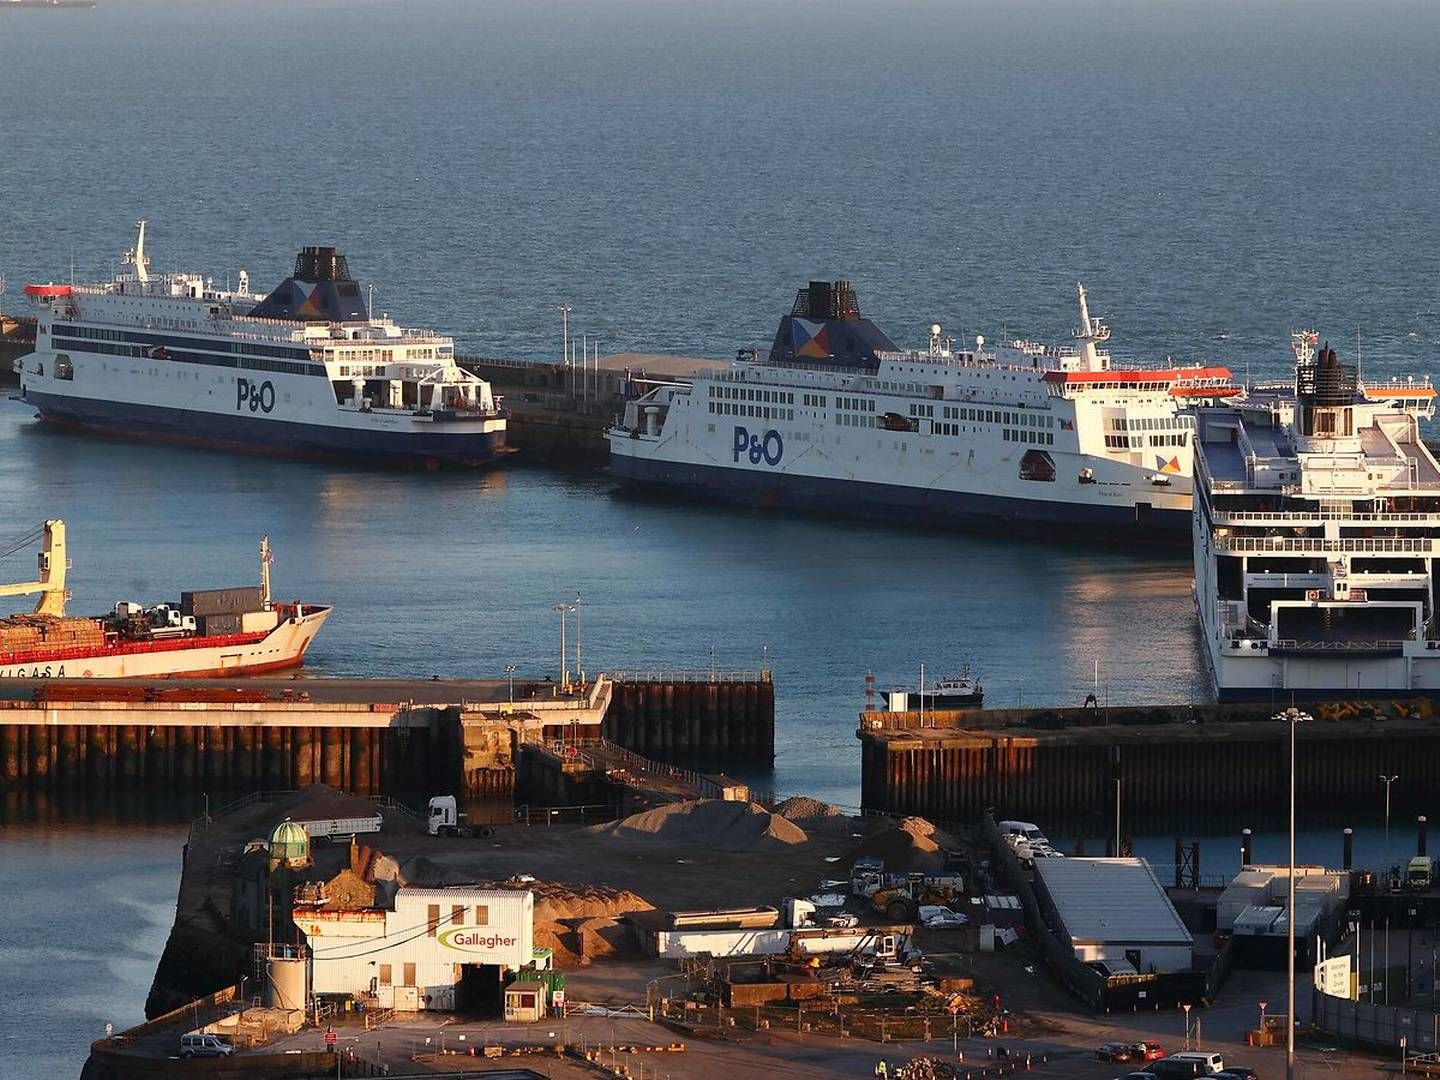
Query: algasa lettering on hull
[(211, 633), (836, 419), (307, 370)]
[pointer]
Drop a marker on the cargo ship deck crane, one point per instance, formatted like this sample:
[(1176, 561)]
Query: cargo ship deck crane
[(53, 564)]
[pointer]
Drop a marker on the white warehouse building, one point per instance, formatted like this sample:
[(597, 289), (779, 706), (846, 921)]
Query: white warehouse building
[(1113, 911), (439, 948)]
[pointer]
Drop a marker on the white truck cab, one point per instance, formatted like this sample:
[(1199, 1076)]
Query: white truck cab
[(444, 816)]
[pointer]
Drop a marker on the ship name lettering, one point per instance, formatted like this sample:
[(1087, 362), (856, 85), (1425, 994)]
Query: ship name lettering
[(768, 447), (260, 397)]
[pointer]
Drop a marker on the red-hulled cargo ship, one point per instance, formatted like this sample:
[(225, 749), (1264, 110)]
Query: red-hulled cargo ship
[(212, 633)]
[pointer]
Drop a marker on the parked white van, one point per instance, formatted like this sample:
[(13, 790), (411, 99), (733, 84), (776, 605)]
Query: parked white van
[(193, 1046), (1207, 1063)]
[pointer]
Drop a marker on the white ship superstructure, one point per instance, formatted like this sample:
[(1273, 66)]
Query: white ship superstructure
[(838, 420), (305, 371), (1317, 534)]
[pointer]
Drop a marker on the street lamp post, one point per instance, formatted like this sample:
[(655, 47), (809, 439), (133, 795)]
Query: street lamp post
[(1292, 716), (1387, 781), (510, 674)]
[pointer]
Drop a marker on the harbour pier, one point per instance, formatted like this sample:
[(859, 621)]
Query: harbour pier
[(1186, 766), (393, 737)]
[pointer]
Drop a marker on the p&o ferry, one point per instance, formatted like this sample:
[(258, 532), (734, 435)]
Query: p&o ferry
[(837, 419), (306, 370), (209, 633), (1317, 536)]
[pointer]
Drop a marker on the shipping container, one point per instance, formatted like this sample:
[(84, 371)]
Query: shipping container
[(212, 625), (233, 601), (255, 622)]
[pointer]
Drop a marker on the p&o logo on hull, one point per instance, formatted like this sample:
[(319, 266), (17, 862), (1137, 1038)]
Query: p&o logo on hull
[(768, 447), (260, 397)]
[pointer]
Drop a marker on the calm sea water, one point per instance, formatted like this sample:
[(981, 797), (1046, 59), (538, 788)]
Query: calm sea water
[(1216, 173)]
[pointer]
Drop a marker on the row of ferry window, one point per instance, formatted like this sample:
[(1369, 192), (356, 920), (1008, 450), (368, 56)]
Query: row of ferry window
[(161, 352), (150, 338), (745, 393), (1150, 423), (762, 412), (994, 416), (1135, 442), (1039, 438)]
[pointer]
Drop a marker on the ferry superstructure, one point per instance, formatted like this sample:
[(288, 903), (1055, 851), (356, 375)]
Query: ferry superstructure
[(304, 371), (1317, 530), (837, 419)]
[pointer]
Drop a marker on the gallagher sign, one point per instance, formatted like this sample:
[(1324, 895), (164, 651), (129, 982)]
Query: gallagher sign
[(474, 939)]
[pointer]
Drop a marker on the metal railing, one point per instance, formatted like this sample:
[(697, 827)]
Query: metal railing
[(1293, 644), (1222, 517), (1345, 545), (660, 675)]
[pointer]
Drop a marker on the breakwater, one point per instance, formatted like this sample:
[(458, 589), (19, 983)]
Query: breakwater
[(1182, 766)]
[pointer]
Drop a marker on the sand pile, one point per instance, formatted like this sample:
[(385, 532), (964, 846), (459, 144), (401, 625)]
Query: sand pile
[(724, 826), (579, 942), (555, 902), (912, 844), (803, 808), (581, 923)]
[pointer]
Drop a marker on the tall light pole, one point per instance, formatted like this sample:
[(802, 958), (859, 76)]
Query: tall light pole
[(564, 610), (1387, 781), (579, 671), (510, 674), (565, 310), (1292, 716)]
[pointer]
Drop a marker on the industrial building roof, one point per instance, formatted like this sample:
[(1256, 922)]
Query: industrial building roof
[(459, 892), (1111, 900)]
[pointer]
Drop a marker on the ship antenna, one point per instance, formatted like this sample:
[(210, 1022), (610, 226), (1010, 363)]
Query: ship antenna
[(1359, 368), (266, 558), (137, 257), (1090, 332)]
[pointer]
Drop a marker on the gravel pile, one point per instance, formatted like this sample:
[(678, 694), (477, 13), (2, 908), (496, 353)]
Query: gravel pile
[(724, 826)]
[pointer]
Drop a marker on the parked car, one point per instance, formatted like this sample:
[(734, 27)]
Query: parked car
[(1237, 1072), (1148, 1051), (1205, 1061), (1172, 1068), (1137, 1076), (1116, 1051), (193, 1046)]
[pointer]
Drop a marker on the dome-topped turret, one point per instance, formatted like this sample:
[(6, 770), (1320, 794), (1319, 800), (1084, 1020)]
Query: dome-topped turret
[(289, 846)]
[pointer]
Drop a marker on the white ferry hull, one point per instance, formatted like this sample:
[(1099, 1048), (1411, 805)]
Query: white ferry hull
[(160, 401), (1164, 520), (284, 647), (390, 442)]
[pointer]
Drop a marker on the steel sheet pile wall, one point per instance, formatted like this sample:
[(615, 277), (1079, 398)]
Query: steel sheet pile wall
[(1170, 773), (680, 719), (225, 756)]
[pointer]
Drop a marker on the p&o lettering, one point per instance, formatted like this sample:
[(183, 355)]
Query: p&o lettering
[(260, 397), (768, 447)]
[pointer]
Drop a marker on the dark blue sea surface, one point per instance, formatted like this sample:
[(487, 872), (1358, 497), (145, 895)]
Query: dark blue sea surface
[(1217, 173)]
